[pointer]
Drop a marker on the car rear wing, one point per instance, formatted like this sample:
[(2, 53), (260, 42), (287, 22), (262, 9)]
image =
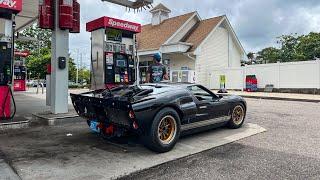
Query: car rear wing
[(94, 107)]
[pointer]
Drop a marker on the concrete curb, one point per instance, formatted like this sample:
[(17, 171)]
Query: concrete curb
[(14, 125), (41, 119), (280, 98), (50, 119), (6, 172)]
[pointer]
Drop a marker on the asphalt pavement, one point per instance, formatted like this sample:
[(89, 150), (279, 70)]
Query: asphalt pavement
[(288, 150)]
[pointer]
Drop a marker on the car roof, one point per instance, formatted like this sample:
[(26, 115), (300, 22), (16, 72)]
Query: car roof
[(171, 84)]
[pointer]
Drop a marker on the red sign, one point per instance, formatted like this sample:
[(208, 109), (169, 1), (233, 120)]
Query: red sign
[(15, 5), (21, 53), (105, 22)]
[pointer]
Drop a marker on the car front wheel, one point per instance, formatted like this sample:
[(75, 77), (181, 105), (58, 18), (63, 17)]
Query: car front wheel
[(237, 116), (164, 132)]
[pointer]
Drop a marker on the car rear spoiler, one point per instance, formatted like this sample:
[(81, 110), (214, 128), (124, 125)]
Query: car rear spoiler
[(92, 106)]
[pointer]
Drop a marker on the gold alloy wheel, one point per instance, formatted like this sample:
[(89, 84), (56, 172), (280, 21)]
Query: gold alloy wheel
[(238, 115), (167, 129)]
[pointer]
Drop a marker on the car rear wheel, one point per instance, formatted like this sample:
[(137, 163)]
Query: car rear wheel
[(164, 131), (237, 116)]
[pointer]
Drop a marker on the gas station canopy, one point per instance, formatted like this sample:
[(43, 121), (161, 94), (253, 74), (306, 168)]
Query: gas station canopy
[(29, 13)]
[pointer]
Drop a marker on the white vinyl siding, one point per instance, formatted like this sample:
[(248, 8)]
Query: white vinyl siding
[(213, 53), (178, 60), (235, 54), (219, 50)]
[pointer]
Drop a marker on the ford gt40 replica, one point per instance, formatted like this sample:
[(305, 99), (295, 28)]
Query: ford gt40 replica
[(158, 113)]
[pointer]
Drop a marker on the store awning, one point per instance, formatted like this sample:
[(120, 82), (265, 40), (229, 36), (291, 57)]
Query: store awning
[(179, 47), (28, 15)]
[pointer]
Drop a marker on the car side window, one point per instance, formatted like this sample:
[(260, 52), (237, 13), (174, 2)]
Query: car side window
[(200, 93), (186, 100)]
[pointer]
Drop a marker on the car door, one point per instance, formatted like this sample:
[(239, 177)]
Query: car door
[(209, 106), (218, 109)]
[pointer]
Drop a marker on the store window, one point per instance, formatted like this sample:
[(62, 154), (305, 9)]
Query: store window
[(144, 65), (143, 68)]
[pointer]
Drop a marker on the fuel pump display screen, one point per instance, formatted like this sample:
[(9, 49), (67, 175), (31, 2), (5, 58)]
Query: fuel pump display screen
[(5, 63), (121, 69), (19, 73), (121, 63)]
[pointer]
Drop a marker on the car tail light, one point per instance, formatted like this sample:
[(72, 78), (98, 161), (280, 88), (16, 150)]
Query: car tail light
[(99, 126), (110, 130), (131, 114), (135, 125)]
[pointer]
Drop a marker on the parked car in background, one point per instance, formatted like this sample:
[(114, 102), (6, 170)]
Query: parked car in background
[(30, 82), (35, 83)]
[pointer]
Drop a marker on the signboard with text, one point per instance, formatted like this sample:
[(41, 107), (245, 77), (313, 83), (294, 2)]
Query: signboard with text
[(21, 53), (108, 22), (14, 5), (222, 81)]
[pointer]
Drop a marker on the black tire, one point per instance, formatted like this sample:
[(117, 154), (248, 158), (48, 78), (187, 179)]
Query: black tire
[(89, 123), (152, 140), (237, 120)]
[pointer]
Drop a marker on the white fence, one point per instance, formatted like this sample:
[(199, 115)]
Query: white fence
[(304, 74)]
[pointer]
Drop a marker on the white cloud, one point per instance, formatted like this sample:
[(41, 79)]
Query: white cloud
[(256, 22)]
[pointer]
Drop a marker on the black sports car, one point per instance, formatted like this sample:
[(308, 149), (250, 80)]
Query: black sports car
[(158, 113)]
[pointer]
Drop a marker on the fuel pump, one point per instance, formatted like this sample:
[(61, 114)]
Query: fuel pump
[(6, 59), (5, 80), (112, 52)]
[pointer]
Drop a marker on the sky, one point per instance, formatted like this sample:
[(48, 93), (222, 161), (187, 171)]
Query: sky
[(257, 23)]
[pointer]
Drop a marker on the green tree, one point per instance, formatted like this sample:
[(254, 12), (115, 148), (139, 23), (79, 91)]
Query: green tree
[(288, 47), (269, 55), (308, 47), (84, 75), (72, 70), (293, 48), (37, 63), (43, 36), (250, 56)]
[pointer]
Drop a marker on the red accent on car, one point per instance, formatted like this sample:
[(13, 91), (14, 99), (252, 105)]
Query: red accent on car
[(131, 114), (135, 125), (110, 129)]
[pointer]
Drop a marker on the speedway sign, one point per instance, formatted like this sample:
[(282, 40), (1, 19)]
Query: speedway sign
[(109, 22), (125, 25), (14, 5)]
